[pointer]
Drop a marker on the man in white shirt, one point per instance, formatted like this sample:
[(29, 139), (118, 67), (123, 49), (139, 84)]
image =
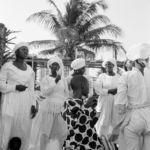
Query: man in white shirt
[(133, 101)]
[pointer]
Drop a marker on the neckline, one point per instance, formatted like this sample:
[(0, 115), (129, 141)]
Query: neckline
[(19, 68)]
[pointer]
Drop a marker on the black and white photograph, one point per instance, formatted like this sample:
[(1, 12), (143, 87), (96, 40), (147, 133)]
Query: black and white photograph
[(74, 75)]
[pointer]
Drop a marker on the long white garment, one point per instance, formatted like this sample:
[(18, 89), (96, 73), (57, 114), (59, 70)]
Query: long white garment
[(16, 106), (105, 103), (49, 120), (132, 92)]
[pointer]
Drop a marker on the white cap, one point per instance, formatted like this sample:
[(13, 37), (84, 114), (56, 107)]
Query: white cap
[(19, 45), (139, 51), (78, 63)]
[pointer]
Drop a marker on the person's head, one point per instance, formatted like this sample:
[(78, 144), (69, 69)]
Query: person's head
[(139, 54), (128, 65), (21, 50), (14, 143), (55, 65), (109, 65), (78, 65), (80, 86)]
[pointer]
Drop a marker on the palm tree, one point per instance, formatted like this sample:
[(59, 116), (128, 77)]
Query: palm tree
[(5, 40), (81, 28)]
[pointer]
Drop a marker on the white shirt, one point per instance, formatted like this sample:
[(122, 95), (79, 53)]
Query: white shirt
[(132, 89)]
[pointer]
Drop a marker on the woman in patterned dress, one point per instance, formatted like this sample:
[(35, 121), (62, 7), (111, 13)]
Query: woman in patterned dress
[(80, 116)]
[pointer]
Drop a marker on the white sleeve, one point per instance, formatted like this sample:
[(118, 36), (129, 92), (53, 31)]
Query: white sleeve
[(90, 80), (47, 85), (66, 90), (121, 97), (98, 86), (4, 86)]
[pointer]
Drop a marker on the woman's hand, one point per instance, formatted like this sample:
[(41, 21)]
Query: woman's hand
[(112, 91), (91, 102), (58, 77), (20, 88), (34, 110)]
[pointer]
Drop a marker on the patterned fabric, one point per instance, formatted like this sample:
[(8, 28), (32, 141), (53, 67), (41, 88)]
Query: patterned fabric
[(81, 121)]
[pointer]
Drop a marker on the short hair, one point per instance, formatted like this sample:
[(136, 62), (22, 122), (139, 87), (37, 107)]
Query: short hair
[(14, 143), (78, 82)]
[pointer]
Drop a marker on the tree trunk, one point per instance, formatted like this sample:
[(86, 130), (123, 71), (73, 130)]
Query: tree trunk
[(3, 30), (3, 35)]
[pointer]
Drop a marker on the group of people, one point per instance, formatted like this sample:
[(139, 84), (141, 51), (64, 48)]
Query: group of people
[(75, 112)]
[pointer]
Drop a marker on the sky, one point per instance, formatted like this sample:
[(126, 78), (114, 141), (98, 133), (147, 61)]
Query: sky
[(132, 16)]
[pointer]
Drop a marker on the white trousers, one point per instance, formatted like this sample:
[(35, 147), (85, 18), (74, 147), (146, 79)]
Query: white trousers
[(136, 136)]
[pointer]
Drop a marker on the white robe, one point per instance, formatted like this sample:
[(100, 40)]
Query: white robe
[(49, 121), (105, 103), (132, 94), (16, 105)]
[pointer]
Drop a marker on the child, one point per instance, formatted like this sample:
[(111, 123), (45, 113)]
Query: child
[(80, 116), (14, 143)]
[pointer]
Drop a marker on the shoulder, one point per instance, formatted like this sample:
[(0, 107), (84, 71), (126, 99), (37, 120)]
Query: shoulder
[(7, 66), (129, 76), (102, 76)]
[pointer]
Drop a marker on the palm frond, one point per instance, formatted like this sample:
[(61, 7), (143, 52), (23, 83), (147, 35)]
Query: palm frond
[(91, 10), (58, 11), (86, 50), (51, 51), (46, 18), (110, 29), (43, 43), (92, 22), (107, 43), (73, 11)]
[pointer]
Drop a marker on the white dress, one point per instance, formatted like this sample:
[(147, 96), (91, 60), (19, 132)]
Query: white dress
[(105, 103), (16, 106), (49, 120)]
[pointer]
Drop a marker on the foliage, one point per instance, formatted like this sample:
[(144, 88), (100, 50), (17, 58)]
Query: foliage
[(5, 41), (81, 28)]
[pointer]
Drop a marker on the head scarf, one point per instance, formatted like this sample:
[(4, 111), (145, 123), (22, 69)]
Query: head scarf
[(56, 59), (78, 63), (19, 45), (139, 51)]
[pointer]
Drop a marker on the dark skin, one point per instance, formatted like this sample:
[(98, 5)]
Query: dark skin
[(140, 65), (21, 55), (80, 71), (109, 70), (54, 68)]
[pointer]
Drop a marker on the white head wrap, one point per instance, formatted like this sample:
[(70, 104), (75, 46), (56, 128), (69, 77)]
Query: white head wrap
[(53, 59), (19, 45), (139, 51), (78, 63)]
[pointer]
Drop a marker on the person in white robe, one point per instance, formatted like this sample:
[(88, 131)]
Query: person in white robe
[(106, 88), (133, 102), (79, 67), (17, 87), (54, 89)]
